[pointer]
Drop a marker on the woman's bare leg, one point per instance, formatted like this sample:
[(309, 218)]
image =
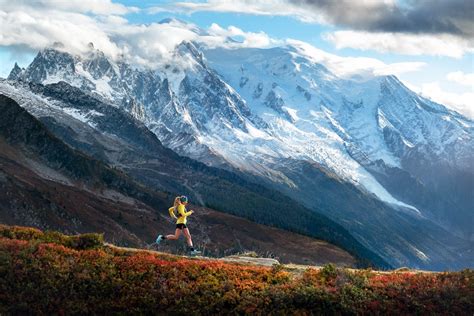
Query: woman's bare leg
[(188, 237), (175, 236)]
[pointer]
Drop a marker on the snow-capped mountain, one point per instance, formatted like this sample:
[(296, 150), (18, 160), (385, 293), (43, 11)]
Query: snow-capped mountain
[(281, 118), (351, 126)]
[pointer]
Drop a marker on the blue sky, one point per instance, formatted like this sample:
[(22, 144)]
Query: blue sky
[(442, 45)]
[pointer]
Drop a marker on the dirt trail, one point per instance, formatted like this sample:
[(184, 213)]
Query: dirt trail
[(267, 262), (295, 269)]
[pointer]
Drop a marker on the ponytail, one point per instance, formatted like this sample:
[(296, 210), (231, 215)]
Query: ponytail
[(176, 201)]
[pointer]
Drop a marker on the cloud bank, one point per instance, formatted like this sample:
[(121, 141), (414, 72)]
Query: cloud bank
[(460, 102), (31, 26), (464, 79), (350, 66), (28, 26), (77, 6), (400, 43), (410, 17), (405, 27), (77, 23)]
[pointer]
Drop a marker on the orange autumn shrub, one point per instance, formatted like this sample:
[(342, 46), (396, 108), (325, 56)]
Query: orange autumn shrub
[(38, 276), (83, 241)]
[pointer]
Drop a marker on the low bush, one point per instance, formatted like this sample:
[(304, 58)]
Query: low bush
[(57, 274), (79, 242)]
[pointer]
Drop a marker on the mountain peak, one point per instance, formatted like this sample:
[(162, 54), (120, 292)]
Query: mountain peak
[(190, 49), (53, 52), (172, 21), (48, 62), (15, 72)]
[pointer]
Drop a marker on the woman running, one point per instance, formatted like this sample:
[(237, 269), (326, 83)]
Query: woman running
[(179, 207)]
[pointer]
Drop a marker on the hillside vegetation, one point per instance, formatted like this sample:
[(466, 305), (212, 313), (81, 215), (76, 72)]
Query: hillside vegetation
[(51, 273)]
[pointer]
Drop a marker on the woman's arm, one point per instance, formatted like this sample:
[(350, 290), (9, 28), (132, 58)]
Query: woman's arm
[(171, 211)]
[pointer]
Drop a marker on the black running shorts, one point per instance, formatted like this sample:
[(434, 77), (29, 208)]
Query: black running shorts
[(181, 226)]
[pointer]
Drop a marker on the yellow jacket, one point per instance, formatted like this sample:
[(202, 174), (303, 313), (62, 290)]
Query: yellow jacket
[(182, 214)]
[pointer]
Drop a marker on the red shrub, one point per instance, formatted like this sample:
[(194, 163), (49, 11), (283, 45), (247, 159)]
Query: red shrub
[(51, 278)]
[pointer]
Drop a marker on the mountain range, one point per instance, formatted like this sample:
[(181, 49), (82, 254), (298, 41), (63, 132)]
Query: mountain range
[(363, 155)]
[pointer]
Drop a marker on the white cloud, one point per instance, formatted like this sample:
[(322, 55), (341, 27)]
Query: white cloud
[(460, 102), (425, 27), (399, 68), (103, 7), (348, 66), (239, 38), (408, 44), (37, 29), (92, 6), (38, 26), (152, 44), (304, 11), (254, 7), (462, 78), (112, 20)]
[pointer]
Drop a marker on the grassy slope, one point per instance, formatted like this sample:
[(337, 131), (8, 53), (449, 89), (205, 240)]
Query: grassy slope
[(49, 273)]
